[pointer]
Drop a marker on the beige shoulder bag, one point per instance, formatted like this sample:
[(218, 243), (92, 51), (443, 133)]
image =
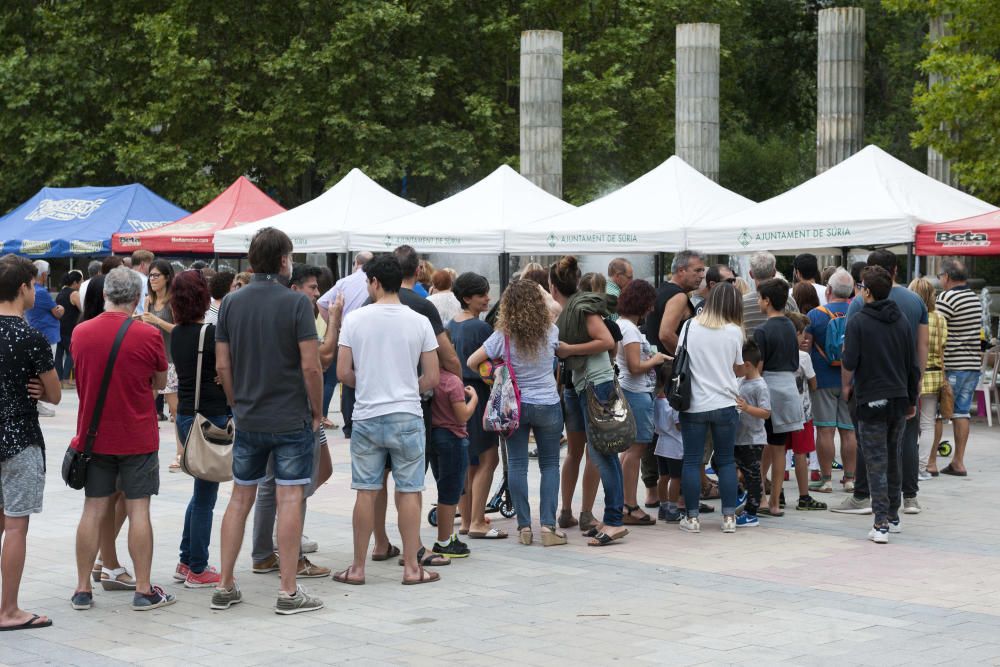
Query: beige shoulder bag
[(208, 450)]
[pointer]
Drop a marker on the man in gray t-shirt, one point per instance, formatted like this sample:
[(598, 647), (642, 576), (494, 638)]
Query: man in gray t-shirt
[(267, 356)]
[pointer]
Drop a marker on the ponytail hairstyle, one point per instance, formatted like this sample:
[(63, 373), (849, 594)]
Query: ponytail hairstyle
[(564, 275)]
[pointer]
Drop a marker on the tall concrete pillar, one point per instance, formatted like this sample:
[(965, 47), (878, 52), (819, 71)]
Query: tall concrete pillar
[(938, 166), (840, 80), (541, 108), (696, 134)]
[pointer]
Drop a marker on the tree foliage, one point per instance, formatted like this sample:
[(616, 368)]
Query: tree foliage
[(185, 96)]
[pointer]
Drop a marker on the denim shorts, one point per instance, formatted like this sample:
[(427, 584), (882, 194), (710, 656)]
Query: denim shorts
[(963, 385), (576, 420), (641, 403), (293, 451), (449, 461), (398, 434)]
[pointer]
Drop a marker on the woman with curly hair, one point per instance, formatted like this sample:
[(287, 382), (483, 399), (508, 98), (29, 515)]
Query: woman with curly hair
[(524, 327), (158, 313), (189, 302), (637, 363)]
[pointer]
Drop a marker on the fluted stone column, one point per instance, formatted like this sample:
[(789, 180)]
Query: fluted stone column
[(938, 166), (541, 108), (696, 135), (840, 79)]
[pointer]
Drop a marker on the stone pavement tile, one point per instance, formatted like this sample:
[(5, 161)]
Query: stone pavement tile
[(14, 656)]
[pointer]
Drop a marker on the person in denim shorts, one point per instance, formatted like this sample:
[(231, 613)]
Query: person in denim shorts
[(267, 355), (381, 346)]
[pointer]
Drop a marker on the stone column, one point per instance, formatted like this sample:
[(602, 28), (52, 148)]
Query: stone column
[(937, 165), (541, 108), (840, 81), (696, 134)]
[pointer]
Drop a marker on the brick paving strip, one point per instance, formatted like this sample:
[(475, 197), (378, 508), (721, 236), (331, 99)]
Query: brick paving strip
[(805, 589)]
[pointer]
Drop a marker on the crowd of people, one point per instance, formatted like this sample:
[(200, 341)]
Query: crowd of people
[(769, 374)]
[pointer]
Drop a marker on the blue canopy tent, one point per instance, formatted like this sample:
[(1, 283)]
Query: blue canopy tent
[(66, 222)]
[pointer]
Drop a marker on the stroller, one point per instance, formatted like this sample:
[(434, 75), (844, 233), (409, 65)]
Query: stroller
[(499, 501)]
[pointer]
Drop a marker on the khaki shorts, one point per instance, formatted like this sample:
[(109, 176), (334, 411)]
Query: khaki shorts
[(829, 410)]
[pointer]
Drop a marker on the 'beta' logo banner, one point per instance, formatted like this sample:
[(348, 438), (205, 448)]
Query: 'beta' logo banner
[(965, 239)]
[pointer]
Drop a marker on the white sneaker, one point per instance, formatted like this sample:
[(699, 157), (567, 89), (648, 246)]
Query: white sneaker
[(852, 506), (923, 476), (911, 506), (45, 411), (690, 524), (729, 524), (309, 546), (879, 536), (895, 527)]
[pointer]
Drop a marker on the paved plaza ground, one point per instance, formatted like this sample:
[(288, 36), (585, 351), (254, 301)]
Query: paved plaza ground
[(806, 589)]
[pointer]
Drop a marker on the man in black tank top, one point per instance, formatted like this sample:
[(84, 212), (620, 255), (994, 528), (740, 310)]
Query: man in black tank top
[(663, 325)]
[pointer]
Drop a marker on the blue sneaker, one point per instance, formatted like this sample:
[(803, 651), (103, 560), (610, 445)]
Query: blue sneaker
[(745, 520), (741, 502), (709, 470), (837, 465), (155, 599)]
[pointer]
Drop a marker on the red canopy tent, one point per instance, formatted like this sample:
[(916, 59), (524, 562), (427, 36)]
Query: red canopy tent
[(979, 235), (240, 203)]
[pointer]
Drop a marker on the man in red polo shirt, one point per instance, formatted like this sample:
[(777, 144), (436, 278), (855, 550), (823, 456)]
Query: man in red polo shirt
[(125, 453)]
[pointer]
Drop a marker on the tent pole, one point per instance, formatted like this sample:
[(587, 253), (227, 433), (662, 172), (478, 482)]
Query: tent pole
[(843, 258), (215, 262), (504, 270), (909, 262)]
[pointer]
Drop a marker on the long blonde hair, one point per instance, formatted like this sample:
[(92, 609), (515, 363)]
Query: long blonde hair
[(723, 306), (923, 288)]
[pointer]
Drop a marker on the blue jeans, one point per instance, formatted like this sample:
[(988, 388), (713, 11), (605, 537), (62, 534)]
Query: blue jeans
[(609, 465), (963, 385), (694, 429), (449, 459), (63, 360), (373, 440), (198, 516), (546, 421), (329, 386)]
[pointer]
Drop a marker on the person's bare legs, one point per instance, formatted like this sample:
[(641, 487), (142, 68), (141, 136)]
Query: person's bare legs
[(381, 505), (111, 526), (932, 457), (848, 451), (140, 542), (826, 449), (234, 523), (364, 521), (802, 473), (14, 536), (446, 521), (88, 534), (777, 477), (576, 443), (481, 484), (289, 534), (631, 460), (961, 427), (663, 488), (591, 480), (408, 507)]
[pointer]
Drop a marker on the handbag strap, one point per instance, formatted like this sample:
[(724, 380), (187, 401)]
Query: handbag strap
[(685, 333), (102, 393), (197, 373)]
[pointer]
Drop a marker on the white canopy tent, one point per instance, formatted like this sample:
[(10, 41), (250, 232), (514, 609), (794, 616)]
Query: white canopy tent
[(650, 214), (323, 224), (869, 199), (472, 221)]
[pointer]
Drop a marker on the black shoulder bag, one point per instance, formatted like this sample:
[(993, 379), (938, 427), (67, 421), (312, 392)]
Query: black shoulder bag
[(74, 466), (679, 387)]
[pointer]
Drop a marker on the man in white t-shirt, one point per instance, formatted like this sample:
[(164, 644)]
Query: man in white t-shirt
[(807, 271), (381, 347)]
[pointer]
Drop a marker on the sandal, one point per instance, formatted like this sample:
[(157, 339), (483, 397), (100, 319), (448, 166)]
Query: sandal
[(710, 491), (111, 579), (552, 537), (343, 578), (525, 536), (391, 553), (603, 539), (429, 559), (587, 521), (767, 511), (30, 624), (705, 509), (176, 465), (567, 520), (949, 470), (642, 520), (95, 572), (425, 578), (491, 534)]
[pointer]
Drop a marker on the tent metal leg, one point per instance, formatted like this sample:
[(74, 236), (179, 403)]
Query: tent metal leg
[(909, 262)]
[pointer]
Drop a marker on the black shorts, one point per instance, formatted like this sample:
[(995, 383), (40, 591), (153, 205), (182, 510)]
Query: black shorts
[(776, 439), (136, 475), (669, 467)]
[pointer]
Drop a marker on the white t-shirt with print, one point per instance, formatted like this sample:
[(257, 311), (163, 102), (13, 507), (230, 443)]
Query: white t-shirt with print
[(802, 377)]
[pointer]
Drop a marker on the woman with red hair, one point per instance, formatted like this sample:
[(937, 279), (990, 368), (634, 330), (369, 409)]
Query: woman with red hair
[(189, 300)]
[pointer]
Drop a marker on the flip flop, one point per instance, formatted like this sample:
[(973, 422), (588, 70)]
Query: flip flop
[(392, 553), (603, 539), (425, 578), (27, 625), (491, 534), (766, 511), (948, 470), (427, 559), (342, 578)]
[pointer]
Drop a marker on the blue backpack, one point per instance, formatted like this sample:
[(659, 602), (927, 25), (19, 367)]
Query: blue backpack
[(833, 346)]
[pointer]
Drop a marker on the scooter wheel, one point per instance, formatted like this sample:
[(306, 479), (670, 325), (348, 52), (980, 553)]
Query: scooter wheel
[(432, 517), (944, 449), (507, 509)]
